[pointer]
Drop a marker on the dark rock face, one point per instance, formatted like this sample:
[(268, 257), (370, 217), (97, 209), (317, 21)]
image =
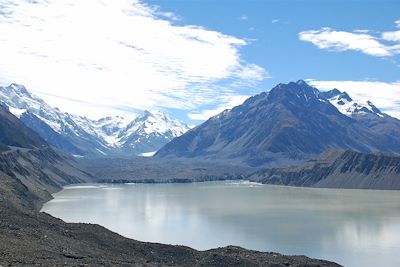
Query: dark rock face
[(15, 133), (338, 169), (291, 121)]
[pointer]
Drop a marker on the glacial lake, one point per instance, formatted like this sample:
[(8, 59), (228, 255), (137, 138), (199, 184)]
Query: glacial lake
[(352, 227)]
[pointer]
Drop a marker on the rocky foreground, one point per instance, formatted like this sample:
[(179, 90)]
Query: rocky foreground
[(31, 238)]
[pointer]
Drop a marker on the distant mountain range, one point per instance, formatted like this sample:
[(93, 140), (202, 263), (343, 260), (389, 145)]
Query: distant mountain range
[(82, 136), (291, 121)]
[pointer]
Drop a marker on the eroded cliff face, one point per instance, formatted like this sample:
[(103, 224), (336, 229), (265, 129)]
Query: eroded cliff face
[(29, 176), (338, 169)]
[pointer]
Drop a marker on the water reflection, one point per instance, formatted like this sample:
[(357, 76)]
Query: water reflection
[(352, 227)]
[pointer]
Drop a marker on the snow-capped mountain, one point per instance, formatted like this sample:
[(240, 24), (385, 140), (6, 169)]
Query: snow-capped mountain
[(84, 136), (107, 129), (290, 122), (348, 106), (151, 131)]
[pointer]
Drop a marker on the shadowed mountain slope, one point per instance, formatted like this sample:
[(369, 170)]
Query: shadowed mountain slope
[(15, 133), (292, 121)]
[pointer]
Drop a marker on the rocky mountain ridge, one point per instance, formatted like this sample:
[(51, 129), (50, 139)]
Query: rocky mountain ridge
[(291, 121)]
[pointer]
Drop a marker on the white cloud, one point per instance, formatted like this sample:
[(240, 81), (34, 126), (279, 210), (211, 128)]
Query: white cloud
[(228, 103), (252, 72), (243, 17), (275, 21), (382, 94), (117, 55), (391, 36), (359, 40)]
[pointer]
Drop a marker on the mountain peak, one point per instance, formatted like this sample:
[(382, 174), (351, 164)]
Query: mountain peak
[(17, 89), (154, 113), (299, 91), (348, 106), (147, 113), (78, 134), (293, 121), (301, 82), (299, 86), (345, 96), (331, 93)]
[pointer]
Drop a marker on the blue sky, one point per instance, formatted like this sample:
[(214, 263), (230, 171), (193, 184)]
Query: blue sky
[(195, 58)]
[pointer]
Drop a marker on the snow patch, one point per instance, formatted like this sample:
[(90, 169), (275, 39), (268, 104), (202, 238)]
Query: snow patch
[(147, 154), (349, 107), (17, 112)]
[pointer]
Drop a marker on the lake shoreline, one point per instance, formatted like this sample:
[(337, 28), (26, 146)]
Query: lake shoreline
[(232, 204), (33, 238), (170, 180)]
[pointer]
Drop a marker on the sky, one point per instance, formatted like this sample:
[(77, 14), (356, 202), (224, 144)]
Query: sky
[(195, 58)]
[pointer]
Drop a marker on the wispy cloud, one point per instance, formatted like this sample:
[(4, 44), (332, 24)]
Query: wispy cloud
[(359, 40), (361, 31), (227, 102), (384, 95), (275, 21), (117, 53), (243, 17)]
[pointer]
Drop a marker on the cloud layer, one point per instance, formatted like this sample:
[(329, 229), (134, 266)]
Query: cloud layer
[(118, 55), (385, 45), (384, 95)]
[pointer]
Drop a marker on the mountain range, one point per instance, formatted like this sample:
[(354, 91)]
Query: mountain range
[(82, 136), (293, 121)]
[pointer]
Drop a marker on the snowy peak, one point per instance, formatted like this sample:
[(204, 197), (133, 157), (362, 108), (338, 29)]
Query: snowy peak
[(17, 96), (17, 89), (111, 125), (155, 123), (77, 134), (149, 132), (350, 107), (20, 101)]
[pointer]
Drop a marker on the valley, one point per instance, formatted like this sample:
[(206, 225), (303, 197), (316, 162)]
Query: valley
[(31, 238), (294, 135), (199, 133)]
